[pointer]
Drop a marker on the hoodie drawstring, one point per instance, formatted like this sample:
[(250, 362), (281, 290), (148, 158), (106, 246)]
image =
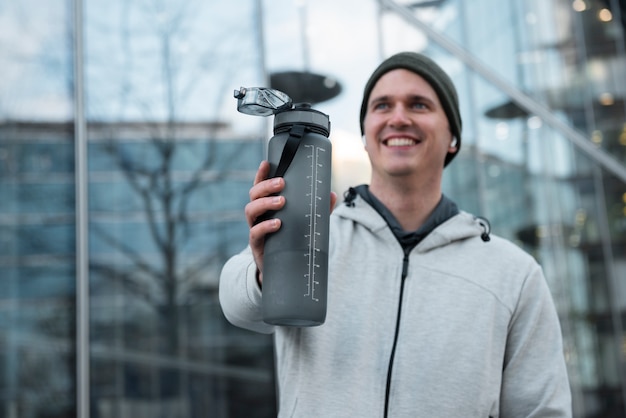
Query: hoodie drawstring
[(486, 228), (349, 196)]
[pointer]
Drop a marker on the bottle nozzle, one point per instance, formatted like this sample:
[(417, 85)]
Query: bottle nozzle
[(261, 101), (239, 94)]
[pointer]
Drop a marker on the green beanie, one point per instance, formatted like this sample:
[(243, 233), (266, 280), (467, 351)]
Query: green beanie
[(434, 75)]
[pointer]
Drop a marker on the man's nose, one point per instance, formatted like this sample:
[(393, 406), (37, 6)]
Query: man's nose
[(399, 117)]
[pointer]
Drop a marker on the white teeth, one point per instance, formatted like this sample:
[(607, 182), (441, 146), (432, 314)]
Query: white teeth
[(400, 142)]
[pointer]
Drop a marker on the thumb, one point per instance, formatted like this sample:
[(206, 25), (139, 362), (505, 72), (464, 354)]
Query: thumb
[(333, 200)]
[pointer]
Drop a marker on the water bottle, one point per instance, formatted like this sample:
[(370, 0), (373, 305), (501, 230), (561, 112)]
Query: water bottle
[(295, 260)]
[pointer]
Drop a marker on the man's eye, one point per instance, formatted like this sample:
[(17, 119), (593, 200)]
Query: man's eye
[(381, 106), (419, 105)]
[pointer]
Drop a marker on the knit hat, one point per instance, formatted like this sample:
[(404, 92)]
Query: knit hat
[(434, 75)]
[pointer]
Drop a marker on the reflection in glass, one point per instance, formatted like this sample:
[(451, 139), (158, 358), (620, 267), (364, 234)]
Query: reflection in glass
[(168, 179)]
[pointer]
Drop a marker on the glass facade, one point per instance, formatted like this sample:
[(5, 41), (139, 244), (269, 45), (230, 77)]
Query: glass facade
[(167, 169), (168, 163), (544, 157)]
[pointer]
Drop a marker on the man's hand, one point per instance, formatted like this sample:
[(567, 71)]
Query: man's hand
[(263, 199)]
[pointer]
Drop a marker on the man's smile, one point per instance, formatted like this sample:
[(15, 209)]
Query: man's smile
[(400, 142)]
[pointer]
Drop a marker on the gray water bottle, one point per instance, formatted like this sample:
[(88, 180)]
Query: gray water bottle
[(295, 261)]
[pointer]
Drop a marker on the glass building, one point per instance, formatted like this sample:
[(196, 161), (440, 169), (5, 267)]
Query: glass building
[(124, 169)]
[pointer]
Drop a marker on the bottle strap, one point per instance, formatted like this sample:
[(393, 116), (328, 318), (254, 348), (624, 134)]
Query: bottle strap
[(289, 151)]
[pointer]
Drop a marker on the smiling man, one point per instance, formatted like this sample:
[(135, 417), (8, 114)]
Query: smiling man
[(408, 138), (428, 315)]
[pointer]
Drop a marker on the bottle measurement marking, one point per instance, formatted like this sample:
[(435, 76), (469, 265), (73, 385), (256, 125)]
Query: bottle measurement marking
[(313, 215)]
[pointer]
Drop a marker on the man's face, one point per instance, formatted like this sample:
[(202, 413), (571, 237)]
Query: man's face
[(406, 129)]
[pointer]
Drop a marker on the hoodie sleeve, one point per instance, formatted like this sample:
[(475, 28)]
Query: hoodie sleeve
[(240, 294), (535, 381)]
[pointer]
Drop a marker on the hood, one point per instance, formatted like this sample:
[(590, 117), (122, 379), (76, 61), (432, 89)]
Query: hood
[(460, 227)]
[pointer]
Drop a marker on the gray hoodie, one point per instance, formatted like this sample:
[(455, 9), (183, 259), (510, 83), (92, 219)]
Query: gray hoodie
[(459, 327)]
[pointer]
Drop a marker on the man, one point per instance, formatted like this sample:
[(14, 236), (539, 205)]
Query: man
[(428, 316)]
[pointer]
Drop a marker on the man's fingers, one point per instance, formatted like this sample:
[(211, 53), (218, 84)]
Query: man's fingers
[(267, 188), (262, 172), (257, 239), (260, 230), (258, 207)]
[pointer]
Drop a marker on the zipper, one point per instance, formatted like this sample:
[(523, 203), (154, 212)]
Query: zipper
[(405, 270)]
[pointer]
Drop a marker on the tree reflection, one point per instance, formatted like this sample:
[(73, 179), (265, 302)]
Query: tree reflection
[(157, 89), (164, 199)]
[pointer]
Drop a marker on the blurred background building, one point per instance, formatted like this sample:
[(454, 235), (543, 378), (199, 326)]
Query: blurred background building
[(124, 169)]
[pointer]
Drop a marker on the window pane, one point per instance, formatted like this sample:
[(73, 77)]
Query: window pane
[(37, 260), (37, 218), (169, 173)]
